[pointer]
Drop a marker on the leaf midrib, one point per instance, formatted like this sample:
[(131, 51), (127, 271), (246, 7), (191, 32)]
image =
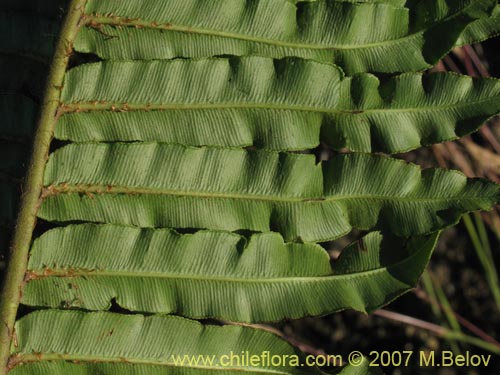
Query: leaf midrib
[(55, 190), (35, 274), (78, 107)]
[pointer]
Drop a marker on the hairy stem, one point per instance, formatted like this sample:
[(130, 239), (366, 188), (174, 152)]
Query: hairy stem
[(15, 273)]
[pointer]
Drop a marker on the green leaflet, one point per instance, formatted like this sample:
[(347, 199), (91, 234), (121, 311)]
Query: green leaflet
[(113, 344), (317, 25), (154, 251), (159, 185), (354, 36), (216, 274), (141, 340), (289, 104), (425, 13), (231, 127), (481, 29)]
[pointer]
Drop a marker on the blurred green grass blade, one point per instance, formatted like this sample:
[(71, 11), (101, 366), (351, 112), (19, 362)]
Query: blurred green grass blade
[(429, 288), (471, 340), (448, 311), (483, 235), (485, 257)]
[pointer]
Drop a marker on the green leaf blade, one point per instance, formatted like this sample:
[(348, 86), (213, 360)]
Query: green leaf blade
[(290, 104), (197, 30), (481, 29), (142, 341), (250, 284), (235, 189)]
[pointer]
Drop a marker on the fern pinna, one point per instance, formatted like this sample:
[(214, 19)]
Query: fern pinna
[(173, 173)]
